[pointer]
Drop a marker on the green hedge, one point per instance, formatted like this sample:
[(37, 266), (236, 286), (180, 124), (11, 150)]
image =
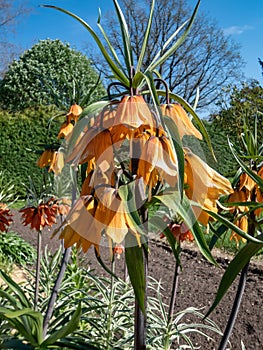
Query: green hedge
[(22, 134)]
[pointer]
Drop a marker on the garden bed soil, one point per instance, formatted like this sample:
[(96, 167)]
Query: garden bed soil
[(198, 283)]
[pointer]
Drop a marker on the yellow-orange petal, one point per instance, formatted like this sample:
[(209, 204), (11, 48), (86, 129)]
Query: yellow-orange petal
[(133, 112), (176, 112), (57, 163), (65, 130)]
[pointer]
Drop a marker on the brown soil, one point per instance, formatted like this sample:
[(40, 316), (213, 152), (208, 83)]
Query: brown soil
[(198, 283)]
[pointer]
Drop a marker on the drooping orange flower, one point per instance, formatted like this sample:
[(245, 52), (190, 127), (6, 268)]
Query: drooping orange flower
[(94, 143), (57, 163), (74, 112), (46, 158), (5, 217), (65, 130), (40, 216), (176, 112), (133, 112), (112, 216), (204, 185), (79, 226), (157, 156)]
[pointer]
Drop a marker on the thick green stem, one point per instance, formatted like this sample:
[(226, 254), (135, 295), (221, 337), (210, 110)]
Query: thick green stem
[(140, 317), (235, 308), (55, 290), (39, 252), (109, 316)]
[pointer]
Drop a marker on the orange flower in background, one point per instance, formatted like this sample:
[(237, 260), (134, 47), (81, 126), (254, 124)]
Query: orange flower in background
[(74, 112), (46, 158), (5, 217), (204, 185), (42, 215), (65, 130), (176, 112), (57, 163)]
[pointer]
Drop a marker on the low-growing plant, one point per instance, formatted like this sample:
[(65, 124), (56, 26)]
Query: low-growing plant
[(15, 250)]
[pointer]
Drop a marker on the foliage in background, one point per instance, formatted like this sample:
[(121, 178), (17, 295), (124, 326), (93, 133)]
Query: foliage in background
[(15, 250), (49, 73), (240, 106), (20, 134)]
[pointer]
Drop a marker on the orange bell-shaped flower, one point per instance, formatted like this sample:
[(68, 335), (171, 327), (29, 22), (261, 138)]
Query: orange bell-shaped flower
[(176, 112)]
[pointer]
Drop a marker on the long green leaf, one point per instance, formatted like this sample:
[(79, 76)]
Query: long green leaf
[(183, 208), (169, 52), (125, 37), (233, 269), (16, 289), (135, 266), (233, 227), (116, 71), (113, 52), (65, 330), (146, 38), (258, 180)]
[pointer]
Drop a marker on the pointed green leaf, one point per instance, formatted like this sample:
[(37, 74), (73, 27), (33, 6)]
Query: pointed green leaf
[(135, 266), (236, 265), (68, 328), (113, 52), (146, 37), (115, 69), (169, 52), (233, 227), (258, 180), (125, 37), (16, 289)]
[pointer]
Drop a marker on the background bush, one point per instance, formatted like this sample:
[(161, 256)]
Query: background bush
[(21, 134)]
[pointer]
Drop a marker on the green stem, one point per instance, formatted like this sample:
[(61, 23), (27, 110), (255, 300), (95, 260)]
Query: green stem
[(241, 286), (235, 308), (55, 290), (39, 251), (140, 317), (110, 309)]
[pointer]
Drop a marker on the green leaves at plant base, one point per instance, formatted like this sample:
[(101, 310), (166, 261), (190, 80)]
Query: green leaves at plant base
[(135, 265), (236, 265), (66, 329)]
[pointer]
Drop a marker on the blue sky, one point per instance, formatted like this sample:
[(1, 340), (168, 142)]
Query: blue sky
[(241, 19)]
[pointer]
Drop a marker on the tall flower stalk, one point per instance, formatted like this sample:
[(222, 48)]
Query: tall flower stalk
[(132, 159)]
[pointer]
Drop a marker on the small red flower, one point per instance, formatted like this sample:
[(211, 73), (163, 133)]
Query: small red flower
[(5, 217), (42, 215), (118, 250), (181, 232)]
